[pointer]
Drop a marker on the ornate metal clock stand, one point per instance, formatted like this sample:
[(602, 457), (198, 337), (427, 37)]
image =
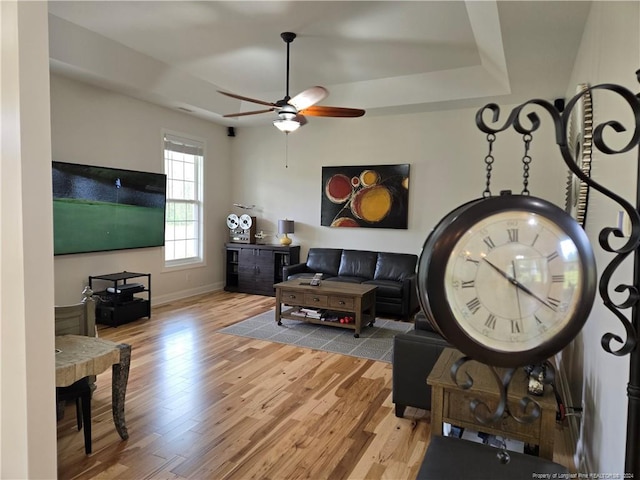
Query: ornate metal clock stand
[(526, 124)]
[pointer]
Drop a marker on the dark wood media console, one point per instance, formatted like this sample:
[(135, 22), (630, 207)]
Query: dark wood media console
[(253, 268)]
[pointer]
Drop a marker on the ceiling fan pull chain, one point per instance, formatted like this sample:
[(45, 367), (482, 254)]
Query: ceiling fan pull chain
[(526, 161), (286, 150), (488, 161)]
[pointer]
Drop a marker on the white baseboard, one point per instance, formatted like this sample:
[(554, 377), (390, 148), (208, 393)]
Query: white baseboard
[(173, 296)]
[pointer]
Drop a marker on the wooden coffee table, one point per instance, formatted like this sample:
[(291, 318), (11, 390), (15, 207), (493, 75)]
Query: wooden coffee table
[(350, 298)]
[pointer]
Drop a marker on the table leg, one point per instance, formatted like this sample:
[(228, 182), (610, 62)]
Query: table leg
[(358, 324), (278, 306), (547, 433), (372, 311), (437, 406), (119, 388)]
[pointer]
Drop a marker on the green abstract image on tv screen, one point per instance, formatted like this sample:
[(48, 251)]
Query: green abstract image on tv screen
[(99, 208)]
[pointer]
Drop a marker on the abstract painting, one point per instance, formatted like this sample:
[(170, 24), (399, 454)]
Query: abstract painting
[(365, 196)]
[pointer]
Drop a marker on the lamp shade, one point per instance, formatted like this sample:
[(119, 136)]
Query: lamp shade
[(286, 126), (285, 226)]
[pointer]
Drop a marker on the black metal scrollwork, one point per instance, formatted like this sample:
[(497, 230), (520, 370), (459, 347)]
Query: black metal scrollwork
[(525, 124), (529, 410), (561, 122)]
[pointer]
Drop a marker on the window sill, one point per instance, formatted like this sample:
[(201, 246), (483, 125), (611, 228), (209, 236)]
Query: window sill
[(177, 265)]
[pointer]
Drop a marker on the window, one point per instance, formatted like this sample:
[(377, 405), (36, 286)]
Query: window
[(183, 159)]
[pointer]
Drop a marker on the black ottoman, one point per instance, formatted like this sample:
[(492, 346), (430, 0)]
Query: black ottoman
[(449, 458), (414, 355)]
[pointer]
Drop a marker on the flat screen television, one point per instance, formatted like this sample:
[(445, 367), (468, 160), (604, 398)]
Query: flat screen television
[(99, 208)]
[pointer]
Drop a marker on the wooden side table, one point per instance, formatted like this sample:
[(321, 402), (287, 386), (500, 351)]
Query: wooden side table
[(78, 356), (451, 404)]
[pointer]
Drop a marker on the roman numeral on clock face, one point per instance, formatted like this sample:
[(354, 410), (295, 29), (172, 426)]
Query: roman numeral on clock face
[(535, 239), (513, 234), (489, 242), (552, 256), (473, 305), (468, 283), (490, 322), (553, 301)]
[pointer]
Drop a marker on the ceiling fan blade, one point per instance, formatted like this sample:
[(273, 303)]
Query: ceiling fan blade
[(247, 99), (253, 112), (309, 97), (322, 111), (301, 119)]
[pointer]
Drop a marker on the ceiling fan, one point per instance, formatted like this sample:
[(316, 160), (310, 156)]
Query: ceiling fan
[(292, 111)]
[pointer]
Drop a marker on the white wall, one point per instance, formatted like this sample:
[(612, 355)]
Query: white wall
[(27, 388), (609, 53), (445, 151), (94, 126)]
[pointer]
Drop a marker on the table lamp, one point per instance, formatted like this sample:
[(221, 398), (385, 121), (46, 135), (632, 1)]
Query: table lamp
[(285, 227)]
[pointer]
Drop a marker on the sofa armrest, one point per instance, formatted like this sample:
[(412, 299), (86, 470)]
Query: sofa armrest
[(410, 293), (288, 270), (421, 322), (414, 355)]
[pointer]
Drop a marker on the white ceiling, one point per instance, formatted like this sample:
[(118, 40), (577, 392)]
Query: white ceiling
[(386, 57)]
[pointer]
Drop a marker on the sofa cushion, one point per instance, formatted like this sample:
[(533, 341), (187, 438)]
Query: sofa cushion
[(395, 266), (357, 263), (386, 288), (346, 279), (324, 260)]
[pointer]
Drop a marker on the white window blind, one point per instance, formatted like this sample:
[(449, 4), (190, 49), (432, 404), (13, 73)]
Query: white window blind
[(183, 161)]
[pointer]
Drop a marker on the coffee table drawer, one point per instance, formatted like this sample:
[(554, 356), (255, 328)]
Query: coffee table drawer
[(291, 297), (313, 300), (342, 302)]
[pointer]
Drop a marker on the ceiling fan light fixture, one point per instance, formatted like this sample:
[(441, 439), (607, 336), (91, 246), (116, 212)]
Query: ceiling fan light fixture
[(286, 125), (292, 111), (288, 112)]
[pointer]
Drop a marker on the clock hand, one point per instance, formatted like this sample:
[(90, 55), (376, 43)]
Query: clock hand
[(501, 272), (513, 264), (517, 284)]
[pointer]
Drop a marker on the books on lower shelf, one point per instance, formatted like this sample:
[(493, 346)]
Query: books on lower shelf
[(312, 312), (484, 438), (318, 314), (307, 313)]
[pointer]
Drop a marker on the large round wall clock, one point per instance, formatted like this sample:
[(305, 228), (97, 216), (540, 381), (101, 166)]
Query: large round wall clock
[(508, 280), (580, 141)]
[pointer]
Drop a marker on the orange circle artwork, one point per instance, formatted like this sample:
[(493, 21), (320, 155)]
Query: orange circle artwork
[(372, 203)]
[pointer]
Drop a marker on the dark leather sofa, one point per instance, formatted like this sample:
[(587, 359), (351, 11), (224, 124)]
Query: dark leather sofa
[(414, 355), (393, 274)]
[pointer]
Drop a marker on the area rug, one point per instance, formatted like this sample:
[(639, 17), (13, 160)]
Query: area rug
[(375, 343)]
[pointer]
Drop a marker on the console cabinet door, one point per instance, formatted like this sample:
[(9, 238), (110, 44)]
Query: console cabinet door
[(255, 268), (247, 270)]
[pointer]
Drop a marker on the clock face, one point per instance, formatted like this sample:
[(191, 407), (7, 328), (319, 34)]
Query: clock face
[(512, 281), (507, 280)]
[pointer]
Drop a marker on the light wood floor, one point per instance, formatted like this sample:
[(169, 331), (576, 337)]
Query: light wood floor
[(204, 405)]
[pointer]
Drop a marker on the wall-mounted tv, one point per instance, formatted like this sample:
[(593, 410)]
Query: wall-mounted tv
[(99, 208)]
